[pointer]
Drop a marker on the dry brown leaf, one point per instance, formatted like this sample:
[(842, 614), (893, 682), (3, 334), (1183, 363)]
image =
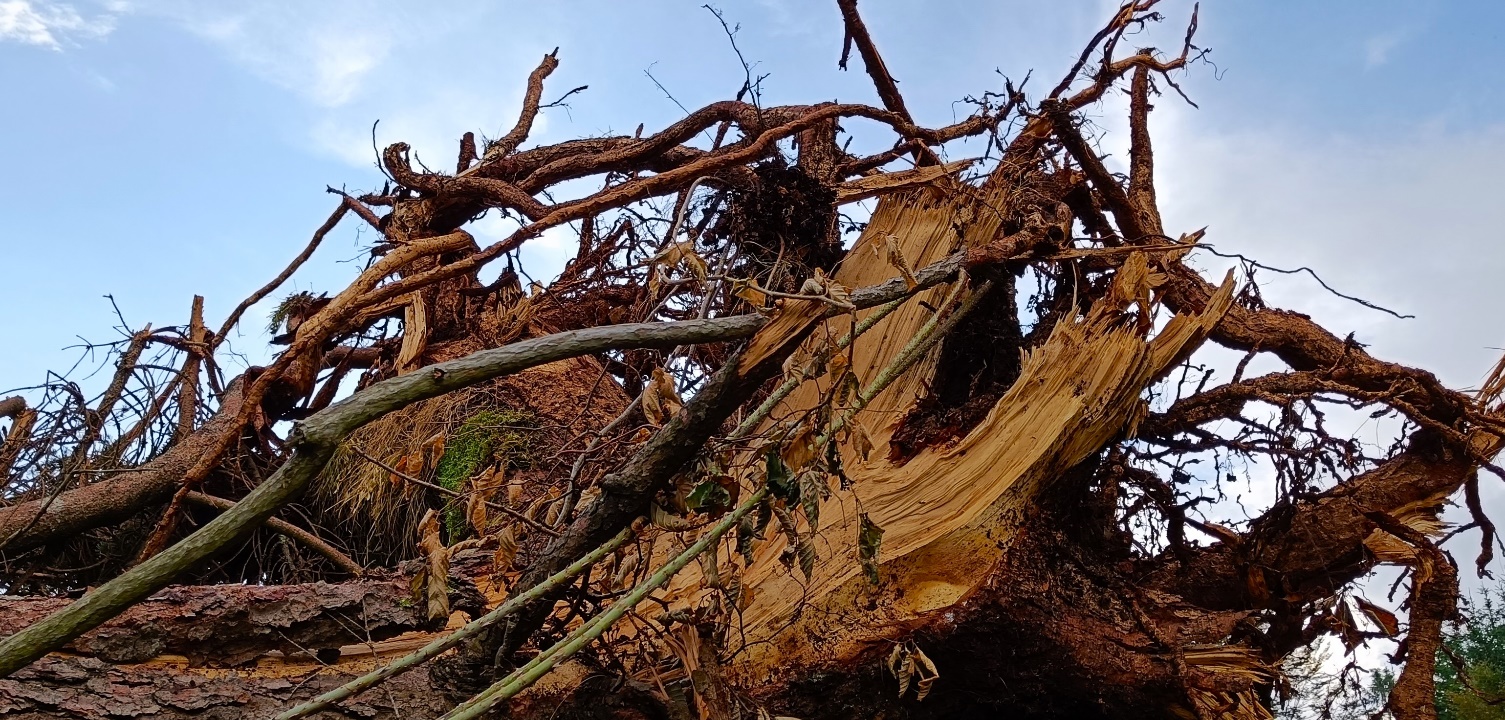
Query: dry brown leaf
[(653, 411), (515, 492), (860, 440), (799, 450), (625, 570), (410, 465), (475, 512), (660, 401), (928, 674), (436, 570), (506, 549), (838, 365), (1381, 617), (839, 293), (667, 520), (683, 253), (895, 256), (806, 552), (433, 449), (710, 568), (482, 488), (906, 673), (753, 294), (1348, 628), (556, 508)]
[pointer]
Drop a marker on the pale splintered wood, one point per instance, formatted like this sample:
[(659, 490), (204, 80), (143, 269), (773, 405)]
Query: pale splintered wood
[(949, 512)]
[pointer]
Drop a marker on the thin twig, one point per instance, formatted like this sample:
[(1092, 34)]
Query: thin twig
[(341, 560), (276, 282)]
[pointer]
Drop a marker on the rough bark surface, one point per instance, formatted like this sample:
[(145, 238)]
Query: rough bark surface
[(230, 626)]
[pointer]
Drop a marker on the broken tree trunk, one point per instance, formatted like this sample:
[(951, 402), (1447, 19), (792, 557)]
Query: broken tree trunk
[(951, 514)]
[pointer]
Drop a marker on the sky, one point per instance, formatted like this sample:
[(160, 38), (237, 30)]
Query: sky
[(164, 148)]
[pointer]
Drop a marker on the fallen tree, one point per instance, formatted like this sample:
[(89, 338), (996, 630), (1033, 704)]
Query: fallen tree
[(743, 455)]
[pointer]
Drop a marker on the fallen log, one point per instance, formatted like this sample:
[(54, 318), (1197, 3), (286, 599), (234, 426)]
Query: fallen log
[(232, 625)]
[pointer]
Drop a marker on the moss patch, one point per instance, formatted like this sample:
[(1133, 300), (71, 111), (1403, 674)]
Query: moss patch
[(489, 436)]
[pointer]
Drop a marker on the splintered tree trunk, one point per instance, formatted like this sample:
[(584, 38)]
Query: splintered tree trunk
[(961, 522)]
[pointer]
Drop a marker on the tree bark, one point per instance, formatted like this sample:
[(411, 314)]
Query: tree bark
[(232, 625)]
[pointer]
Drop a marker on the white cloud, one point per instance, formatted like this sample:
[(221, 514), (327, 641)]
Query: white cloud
[(321, 51), (1377, 49), (1408, 221), (50, 25), (427, 76)]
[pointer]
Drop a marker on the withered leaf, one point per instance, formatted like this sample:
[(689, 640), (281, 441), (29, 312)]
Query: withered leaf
[(906, 673), (928, 674), (869, 541), (813, 489), (436, 570), (667, 520), (625, 569), (800, 448), (682, 253), (747, 534), (1381, 617), (895, 256), (1348, 628), (780, 481), (860, 441), (660, 399), (753, 294), (506, 549), (710, 568), (806, 551)]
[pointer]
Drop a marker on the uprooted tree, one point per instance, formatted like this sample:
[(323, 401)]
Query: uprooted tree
[(746, 454)]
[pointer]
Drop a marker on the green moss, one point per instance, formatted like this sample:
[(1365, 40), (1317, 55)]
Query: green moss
[(488, 436)]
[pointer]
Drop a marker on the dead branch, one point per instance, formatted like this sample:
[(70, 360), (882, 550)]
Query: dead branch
[(310, 540), (119, 495), (276, 282), (519, 133), (230, 626)]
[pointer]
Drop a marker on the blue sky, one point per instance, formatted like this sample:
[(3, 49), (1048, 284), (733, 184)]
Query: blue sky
[(160, 148)]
